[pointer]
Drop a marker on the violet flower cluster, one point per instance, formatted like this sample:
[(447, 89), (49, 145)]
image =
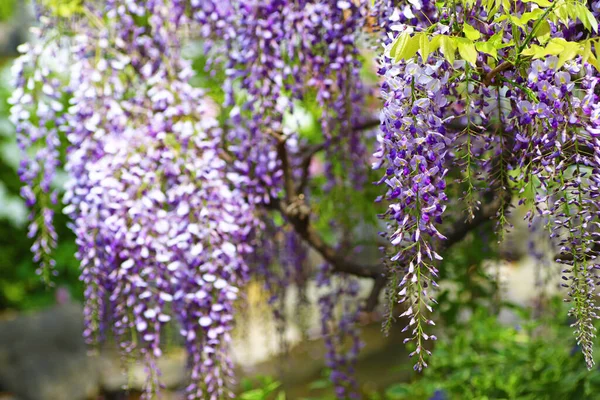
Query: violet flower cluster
[(531, 130), (37, 112), (162, 198), (167, 204), (279, 53), (557, 138), (339, 327), (161, 231)]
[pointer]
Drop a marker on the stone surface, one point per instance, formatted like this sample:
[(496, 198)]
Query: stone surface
[(113, 377), (43, 356)]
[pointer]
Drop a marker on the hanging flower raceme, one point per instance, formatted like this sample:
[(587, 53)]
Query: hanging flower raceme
[(339, 327), (161, 232), (505, 118), (556, 134), (37, 111), (279, 53), (331, 61), (414, 148)]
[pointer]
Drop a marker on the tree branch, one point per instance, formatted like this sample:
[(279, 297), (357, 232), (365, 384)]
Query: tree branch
[(297, 213), (311, 151), (487, 80)]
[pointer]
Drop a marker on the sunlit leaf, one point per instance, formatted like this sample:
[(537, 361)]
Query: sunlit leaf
[(542, 33), (541, 3), (467, 51), (424, 46), (470, 32), (448, 47)]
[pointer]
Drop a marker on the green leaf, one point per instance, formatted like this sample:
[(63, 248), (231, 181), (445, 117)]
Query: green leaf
[(397, 43), (541, 3), (434, 44), (64, 8), (7, 9), (496, 38), (588, 55), (424, 46), (554, 47), (470, 32), (531, 15), (562, 12), (398, 391), (487, 48), (542, 33), (409, 49), (535, 51), (448, 47), (493, 44), (570, 51), (466, 49), (404, 47), (586, 17), (319, 384), (587, 51), (255, 394)]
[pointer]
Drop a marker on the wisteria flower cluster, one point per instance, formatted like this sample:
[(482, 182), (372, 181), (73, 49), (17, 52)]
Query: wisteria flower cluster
[(163, 199), (161, 231), (177, 200), (513, 113)]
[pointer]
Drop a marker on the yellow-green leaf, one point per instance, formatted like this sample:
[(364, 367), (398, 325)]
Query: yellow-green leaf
[(517, 21), (586, 17), (400, 41), (470, 32), (533, 50), (434, 44), (594, 61), (424, 46), (531, 15), (448, 47), (555, 47), (496, 38), (466, 49), (587, 51), (408, 51), (542, 33), (569, 52), (487, 48), (63, 8), (562, 12), (541, 3)]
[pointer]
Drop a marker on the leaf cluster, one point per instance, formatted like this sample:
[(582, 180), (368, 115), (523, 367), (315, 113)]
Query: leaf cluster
[(488, 360), (469, 42)]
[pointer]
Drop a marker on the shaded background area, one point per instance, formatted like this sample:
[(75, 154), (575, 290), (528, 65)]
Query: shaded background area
[(485, 348)]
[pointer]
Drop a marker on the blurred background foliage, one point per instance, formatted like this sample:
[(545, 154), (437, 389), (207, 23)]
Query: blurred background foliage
[(476, 356), (484, 359)]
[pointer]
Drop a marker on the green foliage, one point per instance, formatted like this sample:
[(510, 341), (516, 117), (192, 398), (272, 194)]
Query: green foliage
[(467, 284), (466, 39), (484, 359), (64, 8), (261, 388), (7, 9), (20, 287)]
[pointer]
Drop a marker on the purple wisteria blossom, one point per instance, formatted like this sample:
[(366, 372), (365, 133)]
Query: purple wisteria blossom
[(37, 112)]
